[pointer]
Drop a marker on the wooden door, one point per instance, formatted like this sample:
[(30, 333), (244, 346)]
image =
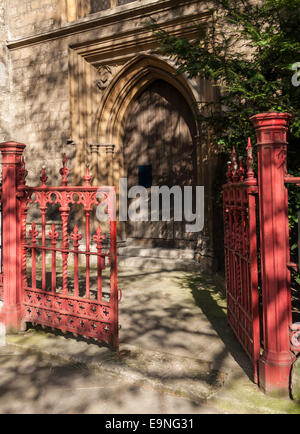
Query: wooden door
[(160, 132)]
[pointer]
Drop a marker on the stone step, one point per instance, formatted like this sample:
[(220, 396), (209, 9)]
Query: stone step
[(144, 263), (135, 251), (140, 258)]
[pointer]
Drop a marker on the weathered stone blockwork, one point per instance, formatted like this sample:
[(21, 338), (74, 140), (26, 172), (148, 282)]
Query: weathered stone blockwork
[(40, 97), (4, 75), (29, 17)]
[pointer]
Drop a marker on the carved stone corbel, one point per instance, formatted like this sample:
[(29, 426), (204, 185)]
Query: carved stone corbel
[(105, 76)]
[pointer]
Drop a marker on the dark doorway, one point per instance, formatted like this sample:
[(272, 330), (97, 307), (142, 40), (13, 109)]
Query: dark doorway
[(160, 133)]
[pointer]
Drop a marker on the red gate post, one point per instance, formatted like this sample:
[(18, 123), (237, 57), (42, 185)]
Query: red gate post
[(277, 359), (12, 287)]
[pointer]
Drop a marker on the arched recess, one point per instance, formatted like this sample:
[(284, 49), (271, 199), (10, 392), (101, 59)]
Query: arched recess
[(111, 116)]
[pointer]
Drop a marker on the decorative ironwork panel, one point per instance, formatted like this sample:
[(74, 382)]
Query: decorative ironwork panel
[(69, 271), (240, 240)]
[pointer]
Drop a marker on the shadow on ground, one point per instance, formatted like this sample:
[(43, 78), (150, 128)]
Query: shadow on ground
[(177, 355)]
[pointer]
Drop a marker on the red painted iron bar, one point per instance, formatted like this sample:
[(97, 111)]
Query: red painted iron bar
[(54, 236), (64, 217), (76, 277), (292, 180), (53, 274), (87, 246), (252, 189), (81, 189), (250, 337), (293, 265), (240, 338), (249, 353), (33, 267), (114, 284), (239, 255), (43, 211), (242, 309), (100, 267)]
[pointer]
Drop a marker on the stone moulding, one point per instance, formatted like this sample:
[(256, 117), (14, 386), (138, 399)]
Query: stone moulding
[(105, 18)]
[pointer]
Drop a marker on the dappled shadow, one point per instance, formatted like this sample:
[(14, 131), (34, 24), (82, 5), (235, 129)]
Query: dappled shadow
[(30, 384), (161, 312), (206, 294), (170, 335)]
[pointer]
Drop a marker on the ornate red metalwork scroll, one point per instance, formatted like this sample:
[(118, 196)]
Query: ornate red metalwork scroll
[(241, 255), (67, 300)]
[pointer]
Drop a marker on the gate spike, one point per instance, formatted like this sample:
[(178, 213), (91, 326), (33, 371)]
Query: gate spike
[(44, 177), (53, 234), (229, 171), (233, 155), (33, 233), (98, 238), (64, 171), (76, 236), (250, 171), (87, 177)]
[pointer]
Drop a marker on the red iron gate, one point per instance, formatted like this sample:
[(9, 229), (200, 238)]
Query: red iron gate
[(280, 337), (241, 255), (81, 297)]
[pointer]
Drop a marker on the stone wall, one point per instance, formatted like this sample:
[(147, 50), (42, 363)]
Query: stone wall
[(5, 119), (29, 17), (41, 103)]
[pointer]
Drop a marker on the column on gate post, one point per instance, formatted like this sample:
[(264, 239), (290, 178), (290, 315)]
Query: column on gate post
[(277, 359), (11, 313)]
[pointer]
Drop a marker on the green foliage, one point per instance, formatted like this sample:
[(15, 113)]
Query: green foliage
[(246, 50)]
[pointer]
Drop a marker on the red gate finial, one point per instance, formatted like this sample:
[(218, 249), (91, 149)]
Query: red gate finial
[(64, 171), (76, 236), (87, 177), (53, 235), (44, 177), (250, 180), (33, 234), (98, 238), (229, 172)]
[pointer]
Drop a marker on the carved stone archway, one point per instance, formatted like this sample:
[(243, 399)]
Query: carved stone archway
[(111, 116)]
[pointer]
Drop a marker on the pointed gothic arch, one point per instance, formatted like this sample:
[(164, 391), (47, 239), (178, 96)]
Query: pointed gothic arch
[(134, 77)]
